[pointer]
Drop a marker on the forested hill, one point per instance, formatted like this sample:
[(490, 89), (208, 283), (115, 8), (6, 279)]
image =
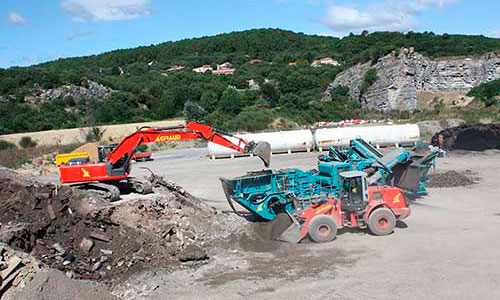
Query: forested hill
[(147, 85)]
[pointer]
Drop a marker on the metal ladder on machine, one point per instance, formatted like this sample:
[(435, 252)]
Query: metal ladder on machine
[(308, 197)]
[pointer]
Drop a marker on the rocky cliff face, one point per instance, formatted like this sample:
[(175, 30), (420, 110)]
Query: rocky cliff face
[(88, 90), (407, 80)]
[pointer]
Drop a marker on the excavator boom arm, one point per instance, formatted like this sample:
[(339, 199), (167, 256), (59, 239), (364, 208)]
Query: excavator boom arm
[(190, 131)]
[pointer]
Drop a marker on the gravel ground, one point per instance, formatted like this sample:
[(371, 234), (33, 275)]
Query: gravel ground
[(447, 249)]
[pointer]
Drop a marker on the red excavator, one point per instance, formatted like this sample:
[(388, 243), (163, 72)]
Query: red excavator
[(111, 172)]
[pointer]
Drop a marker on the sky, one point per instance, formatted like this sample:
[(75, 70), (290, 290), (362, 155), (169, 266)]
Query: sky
[(36, 31)]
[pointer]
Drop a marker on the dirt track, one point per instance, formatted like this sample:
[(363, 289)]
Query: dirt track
[(447, 249)]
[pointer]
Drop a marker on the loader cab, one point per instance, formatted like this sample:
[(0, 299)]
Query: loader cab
[(354, 191)]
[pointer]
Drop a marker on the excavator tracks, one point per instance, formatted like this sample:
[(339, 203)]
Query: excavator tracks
[(141, 186), (108, 191)]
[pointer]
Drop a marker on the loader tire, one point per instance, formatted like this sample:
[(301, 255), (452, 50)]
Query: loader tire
[(322, 229), (381, 221)]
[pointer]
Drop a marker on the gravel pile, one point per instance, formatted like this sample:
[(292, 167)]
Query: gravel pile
[(451, 179)]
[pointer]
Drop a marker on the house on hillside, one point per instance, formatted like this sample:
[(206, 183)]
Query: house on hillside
[(225, 65), (202, 69), (256, 61), (224, 71), (325, 61), (175, 68), (292, 63)]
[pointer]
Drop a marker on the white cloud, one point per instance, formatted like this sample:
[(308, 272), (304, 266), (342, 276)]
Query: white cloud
[(390, 15), (16, 19), (79, 34), (55, 56), (27, 59), (105, 10), (493, 34)]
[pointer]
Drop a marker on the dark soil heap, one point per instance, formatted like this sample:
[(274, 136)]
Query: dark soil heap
[(451, 179), (469, 137), (86, 237)]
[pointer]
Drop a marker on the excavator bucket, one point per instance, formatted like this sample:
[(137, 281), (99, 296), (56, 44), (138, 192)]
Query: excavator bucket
[(263, 151), (286, 228)]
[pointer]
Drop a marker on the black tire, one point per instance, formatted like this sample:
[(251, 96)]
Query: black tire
[(279, 225), (322, 229), (381, 221)]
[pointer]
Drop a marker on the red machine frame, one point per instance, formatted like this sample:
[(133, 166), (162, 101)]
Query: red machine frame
[(116, 166), (379, 197)]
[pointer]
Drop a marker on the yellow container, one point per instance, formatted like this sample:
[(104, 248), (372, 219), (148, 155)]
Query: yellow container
[(64, 158)]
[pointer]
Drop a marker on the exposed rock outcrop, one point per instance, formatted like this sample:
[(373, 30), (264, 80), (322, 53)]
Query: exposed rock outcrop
[(87, 90), (406, 78)]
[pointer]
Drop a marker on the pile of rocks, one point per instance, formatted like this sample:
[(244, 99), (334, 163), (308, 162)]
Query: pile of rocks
[(87, 90), (86, 237), (451, 179), (16, 270)]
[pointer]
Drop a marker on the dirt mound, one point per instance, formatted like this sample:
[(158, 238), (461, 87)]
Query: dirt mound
[(16, 269), (451, 179), (89, 238), (55, 285), (91, 148), (469, 137)]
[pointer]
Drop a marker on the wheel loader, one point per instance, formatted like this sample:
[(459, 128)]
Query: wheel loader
[(356, 206)]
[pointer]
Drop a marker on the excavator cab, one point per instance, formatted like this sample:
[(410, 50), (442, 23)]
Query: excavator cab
[(103, 151), (354, 192)]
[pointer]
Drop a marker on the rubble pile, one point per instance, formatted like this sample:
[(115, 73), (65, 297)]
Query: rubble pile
[(88, 238), (17, 269), (451, 179), (469, 137)]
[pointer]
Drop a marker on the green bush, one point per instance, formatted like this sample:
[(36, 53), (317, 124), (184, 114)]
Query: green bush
[(27, 142), (141, 148), (486, 93), (368, 80), (252, 120), (92, 134), (6, 145)]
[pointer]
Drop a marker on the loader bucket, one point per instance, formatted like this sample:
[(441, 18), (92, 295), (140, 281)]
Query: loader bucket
[(286, 228), (263, 151)]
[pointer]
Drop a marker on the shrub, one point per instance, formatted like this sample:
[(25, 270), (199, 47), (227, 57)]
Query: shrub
[(92, 134), (369, 79), (27, 142), (252, 120), (141, 148), (6, 145), (486, 93)]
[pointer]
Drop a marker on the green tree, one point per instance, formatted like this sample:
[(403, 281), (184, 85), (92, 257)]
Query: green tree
[(368, 80)]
